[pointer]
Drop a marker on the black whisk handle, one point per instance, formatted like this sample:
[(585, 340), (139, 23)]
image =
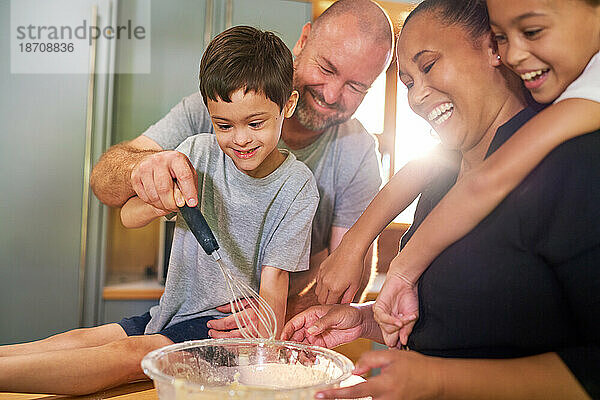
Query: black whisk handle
[(199, 227)]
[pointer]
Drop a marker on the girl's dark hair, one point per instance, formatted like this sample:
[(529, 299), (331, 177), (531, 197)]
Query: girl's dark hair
[(246, 58), (472, 15)]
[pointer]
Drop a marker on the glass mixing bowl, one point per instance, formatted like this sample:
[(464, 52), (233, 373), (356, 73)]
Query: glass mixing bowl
[(244, 369)]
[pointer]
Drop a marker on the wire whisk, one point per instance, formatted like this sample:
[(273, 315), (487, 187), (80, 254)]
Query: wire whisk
[(242, 297)]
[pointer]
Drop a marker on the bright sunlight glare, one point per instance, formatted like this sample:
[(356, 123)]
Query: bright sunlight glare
[(414, 138)]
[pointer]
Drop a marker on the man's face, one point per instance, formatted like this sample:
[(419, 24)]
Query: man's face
[(334, 68)]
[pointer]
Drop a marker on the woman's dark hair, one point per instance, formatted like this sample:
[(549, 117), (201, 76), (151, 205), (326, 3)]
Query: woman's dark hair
[(472, 15), (246, 58)]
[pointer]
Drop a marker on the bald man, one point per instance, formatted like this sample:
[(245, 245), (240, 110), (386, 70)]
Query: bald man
[(337, 59)]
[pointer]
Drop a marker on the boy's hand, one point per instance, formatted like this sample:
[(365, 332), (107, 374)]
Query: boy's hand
[(396, 309), (226, 327), (155, 177), (339, 276), (325, 325)]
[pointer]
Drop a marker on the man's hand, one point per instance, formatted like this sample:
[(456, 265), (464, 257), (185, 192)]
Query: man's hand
[(155, 177), (339, 276), (404, 375), (325, 325), (396, 309)]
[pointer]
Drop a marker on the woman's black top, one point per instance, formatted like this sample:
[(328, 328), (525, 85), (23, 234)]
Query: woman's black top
[(526, 280)]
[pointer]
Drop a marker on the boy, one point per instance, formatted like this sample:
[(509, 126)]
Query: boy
[(258, 200), (260, 206)]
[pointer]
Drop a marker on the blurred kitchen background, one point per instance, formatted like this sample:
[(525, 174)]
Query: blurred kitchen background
[(65, 259)]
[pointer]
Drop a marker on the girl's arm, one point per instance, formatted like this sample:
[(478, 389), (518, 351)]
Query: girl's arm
[(274, 289), (480, 190), (392, 199)]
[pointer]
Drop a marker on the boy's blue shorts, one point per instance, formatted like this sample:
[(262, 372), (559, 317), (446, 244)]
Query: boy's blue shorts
[(192, 329)]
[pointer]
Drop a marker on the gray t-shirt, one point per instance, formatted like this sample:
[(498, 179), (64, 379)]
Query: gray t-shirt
[(344, 161), (256, 221)]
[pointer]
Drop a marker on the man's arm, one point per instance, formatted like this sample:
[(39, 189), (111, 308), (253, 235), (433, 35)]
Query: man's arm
[(128, 169), (111, 176), (140, 167)]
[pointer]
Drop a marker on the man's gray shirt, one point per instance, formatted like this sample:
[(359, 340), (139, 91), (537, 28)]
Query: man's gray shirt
[(256, 221), (344, 161)]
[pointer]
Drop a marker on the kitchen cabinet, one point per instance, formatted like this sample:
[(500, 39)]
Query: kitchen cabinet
[(115, 310)]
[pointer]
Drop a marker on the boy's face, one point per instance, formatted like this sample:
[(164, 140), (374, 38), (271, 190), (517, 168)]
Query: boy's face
[(547, 43), (248, 130)]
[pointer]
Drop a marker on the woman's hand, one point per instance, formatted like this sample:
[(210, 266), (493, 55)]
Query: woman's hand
[(325, 325), (396, 309), (404, 375), (340, 275)]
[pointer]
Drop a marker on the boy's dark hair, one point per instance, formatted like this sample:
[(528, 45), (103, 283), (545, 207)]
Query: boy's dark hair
[(246, 58), (472, 15)]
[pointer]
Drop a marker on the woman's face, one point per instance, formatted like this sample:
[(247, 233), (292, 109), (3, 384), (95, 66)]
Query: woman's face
[(452, 82)]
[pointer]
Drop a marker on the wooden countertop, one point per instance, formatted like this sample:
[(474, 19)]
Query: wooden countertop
[(152, 290), (139, 290), (143, 390)]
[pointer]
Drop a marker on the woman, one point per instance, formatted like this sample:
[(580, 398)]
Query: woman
[(509, 311)]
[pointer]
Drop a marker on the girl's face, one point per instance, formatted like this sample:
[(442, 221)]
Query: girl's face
[(453, 82), (547, 43)]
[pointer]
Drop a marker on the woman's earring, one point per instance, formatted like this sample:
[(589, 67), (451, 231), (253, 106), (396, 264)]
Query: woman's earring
[(498, 57)]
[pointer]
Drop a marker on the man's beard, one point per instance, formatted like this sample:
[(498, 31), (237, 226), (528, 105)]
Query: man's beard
[(311, 119)]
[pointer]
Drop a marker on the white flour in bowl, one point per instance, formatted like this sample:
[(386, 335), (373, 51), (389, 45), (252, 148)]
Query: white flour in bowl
[(280, 376)]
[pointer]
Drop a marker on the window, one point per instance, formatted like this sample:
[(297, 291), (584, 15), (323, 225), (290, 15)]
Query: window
[(411, 138), (402, 134)]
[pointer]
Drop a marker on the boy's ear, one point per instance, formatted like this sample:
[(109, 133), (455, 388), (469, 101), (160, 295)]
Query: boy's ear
[(302, 39), (290, 106)]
